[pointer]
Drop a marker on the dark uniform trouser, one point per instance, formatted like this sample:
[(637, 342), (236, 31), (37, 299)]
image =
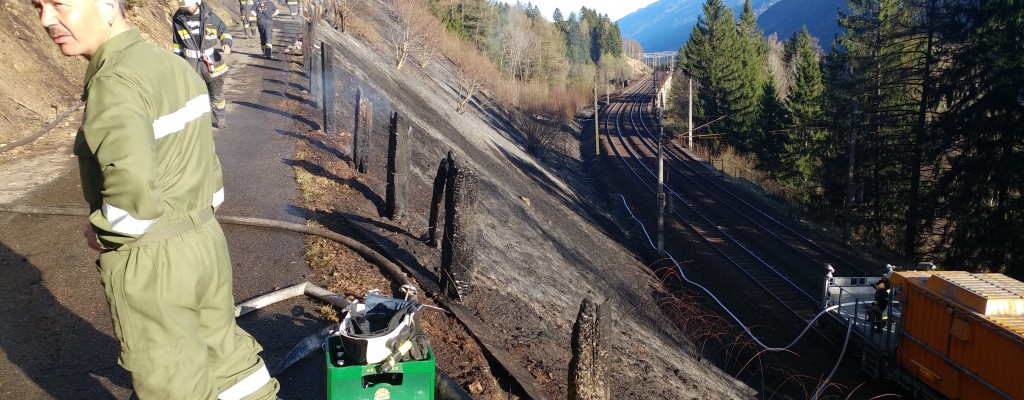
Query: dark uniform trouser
[(293, 8), (245, 10), (217, 101), (266, 27), (173, 312)]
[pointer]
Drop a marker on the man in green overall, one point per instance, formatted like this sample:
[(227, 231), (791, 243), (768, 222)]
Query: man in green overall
[(152, 180)]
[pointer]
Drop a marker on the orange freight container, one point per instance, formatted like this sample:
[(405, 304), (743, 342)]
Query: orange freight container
[(963, 333)]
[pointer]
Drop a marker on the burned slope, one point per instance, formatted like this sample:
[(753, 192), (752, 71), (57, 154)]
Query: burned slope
[(540, 248)]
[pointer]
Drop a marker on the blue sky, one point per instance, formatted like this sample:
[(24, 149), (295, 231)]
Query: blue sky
[(614, 8)]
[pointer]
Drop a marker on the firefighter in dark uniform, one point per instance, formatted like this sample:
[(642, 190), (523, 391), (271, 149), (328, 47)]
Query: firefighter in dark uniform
[(293, 8), (877, 314), (265, 11), (201, 37), (248, 20)]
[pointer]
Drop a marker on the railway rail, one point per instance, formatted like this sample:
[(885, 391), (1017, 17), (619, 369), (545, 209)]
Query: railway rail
[(697, 193)]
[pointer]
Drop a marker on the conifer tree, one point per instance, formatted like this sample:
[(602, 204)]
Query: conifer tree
[(747, 101), (771, 139), (709, 56), (981, 190), (880, 46), (806, 134)]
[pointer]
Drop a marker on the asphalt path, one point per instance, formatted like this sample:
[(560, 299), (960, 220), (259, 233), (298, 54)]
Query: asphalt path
[(56, 337)]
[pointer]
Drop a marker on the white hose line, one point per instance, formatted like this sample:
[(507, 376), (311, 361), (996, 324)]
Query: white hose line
[(824, 384), (679, 269)]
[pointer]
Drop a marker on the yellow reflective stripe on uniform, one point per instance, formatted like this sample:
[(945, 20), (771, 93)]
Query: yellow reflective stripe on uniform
[(246, 386), (122, 222), (225, 36), (218, 198), (175, 121)]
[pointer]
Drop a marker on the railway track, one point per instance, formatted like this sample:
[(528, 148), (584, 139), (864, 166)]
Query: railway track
[(700, 198)]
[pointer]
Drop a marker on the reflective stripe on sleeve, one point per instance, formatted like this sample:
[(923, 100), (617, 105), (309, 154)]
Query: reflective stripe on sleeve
[(122, 222), (175, 122), (218, 198), (246, 386)]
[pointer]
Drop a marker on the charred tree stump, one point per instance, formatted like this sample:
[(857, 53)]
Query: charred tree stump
[(458, 245), (316, 77), (361, 134), (588, 368), (399, 150), (330, 89), (435, 200)]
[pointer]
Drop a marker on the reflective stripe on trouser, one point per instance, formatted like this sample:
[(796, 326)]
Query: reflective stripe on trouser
[(217, 101), (245, 11), (172, 309), (266, 28)]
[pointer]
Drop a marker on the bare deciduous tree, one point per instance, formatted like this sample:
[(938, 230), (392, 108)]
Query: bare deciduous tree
[(632, 49), (415, 32), (476, 73)]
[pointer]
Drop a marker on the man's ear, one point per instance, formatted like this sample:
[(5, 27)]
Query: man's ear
[(110, 10)]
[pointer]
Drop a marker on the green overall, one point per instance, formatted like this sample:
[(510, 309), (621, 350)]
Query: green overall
[(152, 180)]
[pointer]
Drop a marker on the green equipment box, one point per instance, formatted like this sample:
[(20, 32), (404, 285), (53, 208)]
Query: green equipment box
[(412, 380)]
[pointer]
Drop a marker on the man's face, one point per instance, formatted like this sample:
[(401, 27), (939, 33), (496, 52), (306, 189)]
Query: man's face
[(192, 9), (78, 27)]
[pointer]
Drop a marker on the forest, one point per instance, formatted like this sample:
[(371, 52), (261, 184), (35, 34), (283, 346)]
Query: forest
[(907, 136), (545, 67)]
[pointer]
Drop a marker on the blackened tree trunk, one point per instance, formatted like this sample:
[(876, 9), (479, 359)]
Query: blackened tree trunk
[(458, 246), (588, 368), (399, 150)]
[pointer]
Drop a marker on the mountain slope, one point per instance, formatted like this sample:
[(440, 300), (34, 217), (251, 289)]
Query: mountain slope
[(788, 16), (666, 24)]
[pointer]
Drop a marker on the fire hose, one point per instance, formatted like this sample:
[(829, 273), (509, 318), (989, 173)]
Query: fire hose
[(446, 388)]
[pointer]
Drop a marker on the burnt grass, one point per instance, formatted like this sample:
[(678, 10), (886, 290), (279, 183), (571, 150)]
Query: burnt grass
[(549, 235)]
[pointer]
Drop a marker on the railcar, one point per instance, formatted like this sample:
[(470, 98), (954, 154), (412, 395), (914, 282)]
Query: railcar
[(948, 335)]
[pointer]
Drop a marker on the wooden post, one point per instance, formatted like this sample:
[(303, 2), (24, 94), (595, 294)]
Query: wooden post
[(307, 38), (316, 76), (588, 368), (399, 150), (361, 135), (440, 181), (330, 89), (458, 245)]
